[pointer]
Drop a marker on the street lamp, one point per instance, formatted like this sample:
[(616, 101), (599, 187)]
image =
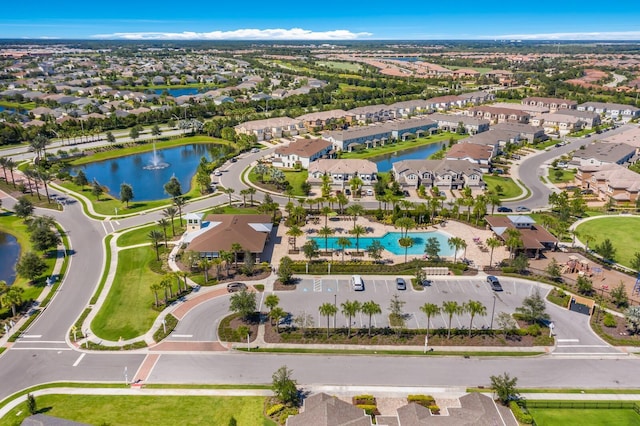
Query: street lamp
[(335, 304)]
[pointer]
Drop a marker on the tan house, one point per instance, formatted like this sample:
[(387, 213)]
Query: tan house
[(499, 115), (271, 128), (342, 171), (553, 104), (301, 153), (218, 232), (319, 120), (535, 238), (610, 181), (474, 153), (442, 174)]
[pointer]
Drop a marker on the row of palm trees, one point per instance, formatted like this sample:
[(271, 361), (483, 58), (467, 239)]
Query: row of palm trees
[(166, 284)]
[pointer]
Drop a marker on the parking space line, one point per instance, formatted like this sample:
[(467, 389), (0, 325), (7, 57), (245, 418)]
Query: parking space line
[(416, 318)]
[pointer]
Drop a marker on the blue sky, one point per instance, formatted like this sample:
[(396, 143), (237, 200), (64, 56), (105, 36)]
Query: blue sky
[(327, 19)]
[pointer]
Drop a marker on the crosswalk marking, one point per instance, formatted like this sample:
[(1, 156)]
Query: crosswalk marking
[(317, 284)]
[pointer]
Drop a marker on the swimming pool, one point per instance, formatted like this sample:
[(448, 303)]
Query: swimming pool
[(390, 242)]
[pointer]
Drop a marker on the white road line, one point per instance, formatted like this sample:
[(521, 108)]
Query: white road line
[(416, 318), (582, 346), (182, 335), (40, 349), (588, 353), (113, 229), (117, 223), (32, 336), (568, 340), (105, 228), (42, 341), (75, 364)]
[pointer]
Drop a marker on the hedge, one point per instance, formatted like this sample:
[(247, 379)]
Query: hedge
[(519, 414), (369, 267), (275, 409), (424, 400)]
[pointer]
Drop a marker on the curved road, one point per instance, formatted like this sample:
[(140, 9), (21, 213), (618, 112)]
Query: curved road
[(43, 356)]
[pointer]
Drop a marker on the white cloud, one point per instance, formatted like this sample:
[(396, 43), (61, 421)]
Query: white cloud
[(595, 35), (240, 34)]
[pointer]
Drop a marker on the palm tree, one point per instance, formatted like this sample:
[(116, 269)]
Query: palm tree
[(326, 211), (217, 262), (451, 308), (343, 243), (251, 192), (350, 309), (328, 310), (513, 240), (229, 191), (11, 165), (355, 183), (494, 200), (205, 264), (244, 193), (3, 164), (430, 310), (473, 308), (355, 210), (236, 248), (171, 213), (326, 232), (294, 232), (168, 283), (370, 308), (456, 243), (342, 201), (405, 223), (13, 298), (406, 243), (275, 315), (492, 243), (179, 203), (358, 230), (44, 177), (31, 175), (271, 301), (155, 236), (164, 223), (155, 287), (227, 258)]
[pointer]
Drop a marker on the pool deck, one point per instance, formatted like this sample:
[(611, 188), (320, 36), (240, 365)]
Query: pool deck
[(375, 229)]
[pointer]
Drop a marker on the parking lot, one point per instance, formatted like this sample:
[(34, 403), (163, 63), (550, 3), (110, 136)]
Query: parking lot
[(313, 292)]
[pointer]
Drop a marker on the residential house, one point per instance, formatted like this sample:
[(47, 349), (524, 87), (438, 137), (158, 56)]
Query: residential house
[(613, 111), (342, 171), (416, 126), (610, 181), (348, 139), (409, 108), (559, 124), (496, 138), (477, 98), (603, 153), (271, 128), (442, 174), (371, 113), (554, 104), (479, 154), (535, 238), (629, 136), (443, 103), (325, 410), (530, 109), (499, 115), (588, 118), (318, 120), (450, 123), (520, 131), (301, 153), (218, 232)]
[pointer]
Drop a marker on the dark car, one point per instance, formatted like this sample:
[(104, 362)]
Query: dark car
[(503, 209), (233, 287), (401, 284), (234, 159), (495, 284), (426, 283), (347, 191)]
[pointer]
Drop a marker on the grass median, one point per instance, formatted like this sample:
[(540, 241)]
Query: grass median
[(127, 310), (158, 410), (302, 350), (509, 188)]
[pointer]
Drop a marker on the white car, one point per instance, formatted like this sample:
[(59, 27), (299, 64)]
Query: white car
[(217, 173)]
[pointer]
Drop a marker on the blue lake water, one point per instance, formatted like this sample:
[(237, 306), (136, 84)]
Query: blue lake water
[(179, 92), (423, 152), (148, 185), (9, 254), (390, 242)]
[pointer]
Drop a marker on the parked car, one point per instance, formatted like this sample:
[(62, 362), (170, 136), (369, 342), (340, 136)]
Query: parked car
[(217, 173), (401, 284), (357, 283), (405, 193), (255, 150), (494, 283), (523, 209), (503, 209), (233, 287), (426, 283), (347, 191), (234, 159), (369, 191)]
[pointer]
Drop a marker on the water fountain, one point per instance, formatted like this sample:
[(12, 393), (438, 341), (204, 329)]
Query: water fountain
[(156, 161)]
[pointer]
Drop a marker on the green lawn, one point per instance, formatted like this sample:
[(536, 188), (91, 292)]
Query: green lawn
[(567, 175), (624, 233), (295, 179), (140, 235), (11, 224), (139, 410), (18, 105), (584, 417), (509, 187), (401, 145), (127, 311), (346, 66)]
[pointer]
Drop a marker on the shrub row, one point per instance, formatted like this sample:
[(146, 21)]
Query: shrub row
[(519, 413), (370, 410), (275, 409), (320, 267), (170, 323), (364, 400), (291, 411), (424, 400)]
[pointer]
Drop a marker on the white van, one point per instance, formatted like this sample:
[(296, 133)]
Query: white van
[(357, 283)]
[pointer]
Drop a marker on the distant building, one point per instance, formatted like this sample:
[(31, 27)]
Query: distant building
[(442, 174), (342, 171), (301, 152)]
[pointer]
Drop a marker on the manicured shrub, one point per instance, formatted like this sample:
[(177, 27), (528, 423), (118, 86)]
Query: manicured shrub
[(286, 413), (364, 399), (434, 409), (275, 409), (371, 410), (609, 320), (519, 413), (424, 400), (534, 330)]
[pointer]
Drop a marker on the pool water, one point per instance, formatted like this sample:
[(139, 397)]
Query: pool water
[(390, 242)]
